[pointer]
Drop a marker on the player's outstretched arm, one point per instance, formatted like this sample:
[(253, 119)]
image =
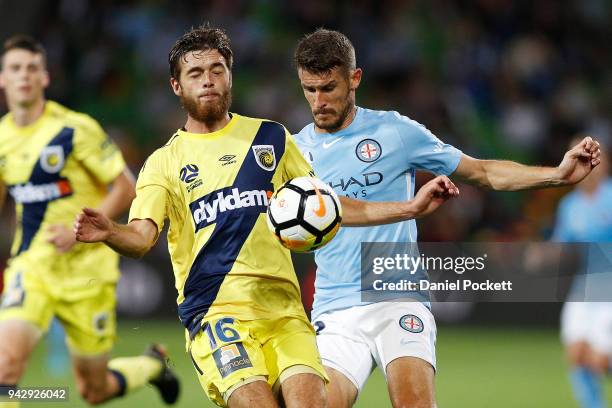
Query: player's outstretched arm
[(134, 239), (510, 176), (359, 213)]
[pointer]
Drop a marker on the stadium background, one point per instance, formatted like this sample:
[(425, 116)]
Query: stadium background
[(497, 78)]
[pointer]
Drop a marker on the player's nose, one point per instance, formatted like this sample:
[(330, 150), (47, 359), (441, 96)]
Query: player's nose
[(207, 81), (320, 102)]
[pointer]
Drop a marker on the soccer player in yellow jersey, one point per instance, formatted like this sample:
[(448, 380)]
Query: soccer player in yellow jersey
[(239, 300), (54, 161)]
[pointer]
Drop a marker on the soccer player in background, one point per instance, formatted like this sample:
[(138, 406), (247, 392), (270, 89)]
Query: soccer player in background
[(54, 161), (239, 300), (585, 215), (346, 142)]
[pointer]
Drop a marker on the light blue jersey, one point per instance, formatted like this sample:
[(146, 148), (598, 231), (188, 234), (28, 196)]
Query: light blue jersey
[(374, 158), (583, 218), (588, 218)]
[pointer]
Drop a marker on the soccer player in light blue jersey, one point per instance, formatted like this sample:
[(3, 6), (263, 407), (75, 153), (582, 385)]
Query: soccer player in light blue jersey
[(373, 155), (585, 215)]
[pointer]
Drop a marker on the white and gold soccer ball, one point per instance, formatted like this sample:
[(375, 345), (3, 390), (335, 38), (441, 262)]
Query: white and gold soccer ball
[(304, 214)]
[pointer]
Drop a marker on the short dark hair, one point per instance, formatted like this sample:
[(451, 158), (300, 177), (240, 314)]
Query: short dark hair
[(23, 42), (323, 50), (202, 38)]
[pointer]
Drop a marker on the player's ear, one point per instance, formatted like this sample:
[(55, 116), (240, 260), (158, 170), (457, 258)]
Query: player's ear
[(176, 86), (356, 78), (46, 79)]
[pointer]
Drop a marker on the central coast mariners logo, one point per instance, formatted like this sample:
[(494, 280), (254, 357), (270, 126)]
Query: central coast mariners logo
[(52, 159), (264, 156)]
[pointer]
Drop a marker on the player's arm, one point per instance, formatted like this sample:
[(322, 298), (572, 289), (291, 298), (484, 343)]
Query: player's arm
[(511, 176), (147, 215), (134, 239), (366, 213)]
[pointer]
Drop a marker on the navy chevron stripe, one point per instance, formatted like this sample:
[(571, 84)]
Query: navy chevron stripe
[(216, 258), (34, 213)]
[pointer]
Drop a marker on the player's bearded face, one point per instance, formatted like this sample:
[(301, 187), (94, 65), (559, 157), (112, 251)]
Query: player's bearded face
[(330, 97), (331, 118), (207, 110), (205, 86)]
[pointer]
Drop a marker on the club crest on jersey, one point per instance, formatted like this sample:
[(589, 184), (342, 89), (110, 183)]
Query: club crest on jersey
[(265, 157), (411, 323), (52, 159), (368, 150)]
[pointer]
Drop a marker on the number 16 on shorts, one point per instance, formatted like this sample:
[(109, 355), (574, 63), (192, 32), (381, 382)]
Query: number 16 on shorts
[(229, 357)]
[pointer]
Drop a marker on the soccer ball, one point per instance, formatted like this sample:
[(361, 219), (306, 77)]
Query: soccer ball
[(304, 214)]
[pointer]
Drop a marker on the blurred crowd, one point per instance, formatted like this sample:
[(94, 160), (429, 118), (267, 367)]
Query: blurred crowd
[(499, 79)]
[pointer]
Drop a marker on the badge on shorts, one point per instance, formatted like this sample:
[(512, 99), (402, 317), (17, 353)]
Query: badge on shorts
[(265, 157), (411, 323), (230, 358)]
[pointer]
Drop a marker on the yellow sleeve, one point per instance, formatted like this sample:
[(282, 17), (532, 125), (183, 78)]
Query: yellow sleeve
[(293, 162), (97, 151), (152, 191)]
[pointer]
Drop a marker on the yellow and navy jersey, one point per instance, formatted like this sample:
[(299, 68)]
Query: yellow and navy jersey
[(52, 169), (214, 189)]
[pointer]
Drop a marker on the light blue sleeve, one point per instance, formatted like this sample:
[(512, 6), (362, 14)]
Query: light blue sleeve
[(424, 151), (562, 231)]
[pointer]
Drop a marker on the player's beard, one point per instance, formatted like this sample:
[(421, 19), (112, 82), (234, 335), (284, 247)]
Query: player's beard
[(336, 124), (207, 112)]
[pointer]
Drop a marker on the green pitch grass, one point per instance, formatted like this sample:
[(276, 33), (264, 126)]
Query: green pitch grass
[(477, 367)]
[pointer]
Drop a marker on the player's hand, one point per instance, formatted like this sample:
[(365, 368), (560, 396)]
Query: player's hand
[(433, 194), (579, 161), (92, 226), (62, 238)]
